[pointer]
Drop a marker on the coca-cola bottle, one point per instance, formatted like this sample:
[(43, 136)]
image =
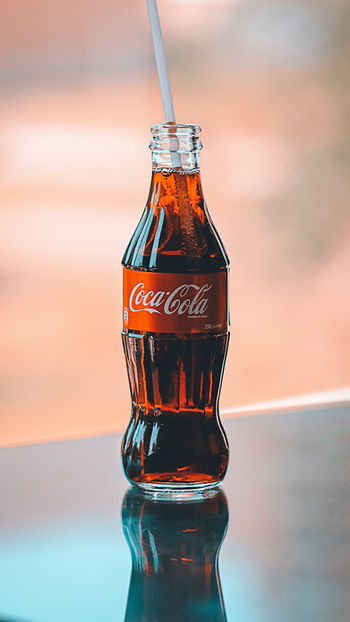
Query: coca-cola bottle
[(175, 557), (175, 325)]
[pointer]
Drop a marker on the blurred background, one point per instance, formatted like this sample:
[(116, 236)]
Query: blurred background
[(268, 82)]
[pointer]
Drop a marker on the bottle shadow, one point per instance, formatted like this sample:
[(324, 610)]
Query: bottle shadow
[(174, 548)]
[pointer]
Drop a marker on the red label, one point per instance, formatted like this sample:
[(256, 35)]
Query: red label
[(161, 302)]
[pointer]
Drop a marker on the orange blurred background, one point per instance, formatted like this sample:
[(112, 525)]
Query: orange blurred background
[(268, 83)]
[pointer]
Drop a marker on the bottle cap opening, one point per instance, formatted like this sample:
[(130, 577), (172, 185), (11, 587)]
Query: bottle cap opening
[(179, 137), (177, 129)]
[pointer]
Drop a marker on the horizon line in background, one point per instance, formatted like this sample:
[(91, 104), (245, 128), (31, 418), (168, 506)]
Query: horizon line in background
[(332, 396)]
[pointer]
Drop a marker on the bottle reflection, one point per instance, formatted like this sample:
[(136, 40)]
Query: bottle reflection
[(174, 548)]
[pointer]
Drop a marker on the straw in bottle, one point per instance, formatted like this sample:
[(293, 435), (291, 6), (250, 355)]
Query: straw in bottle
[(190, 247)]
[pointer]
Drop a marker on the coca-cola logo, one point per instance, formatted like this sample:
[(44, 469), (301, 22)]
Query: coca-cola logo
[(187, 297)]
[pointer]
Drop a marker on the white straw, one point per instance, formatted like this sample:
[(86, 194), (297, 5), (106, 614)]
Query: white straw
[(161, 61), (163, 76)]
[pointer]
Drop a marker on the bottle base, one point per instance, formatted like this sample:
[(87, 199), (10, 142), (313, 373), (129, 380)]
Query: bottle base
[(180, 491)]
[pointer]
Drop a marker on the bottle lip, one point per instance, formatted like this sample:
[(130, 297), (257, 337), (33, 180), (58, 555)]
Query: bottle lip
[(177, 129), (181, 138)]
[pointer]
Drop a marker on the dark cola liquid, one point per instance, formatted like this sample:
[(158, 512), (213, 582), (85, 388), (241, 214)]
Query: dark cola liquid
[(174, 436)]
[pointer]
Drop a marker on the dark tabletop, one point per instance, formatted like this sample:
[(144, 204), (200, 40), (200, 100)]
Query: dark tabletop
[(285, 558)]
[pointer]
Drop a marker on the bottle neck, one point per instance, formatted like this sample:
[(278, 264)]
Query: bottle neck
[(176, 191), (176, 147)]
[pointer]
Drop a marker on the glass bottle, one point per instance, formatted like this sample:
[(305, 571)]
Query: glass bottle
[(175, 325)]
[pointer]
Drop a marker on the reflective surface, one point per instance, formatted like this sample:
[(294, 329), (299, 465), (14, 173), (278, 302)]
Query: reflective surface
[(64, 557), (174, 547)]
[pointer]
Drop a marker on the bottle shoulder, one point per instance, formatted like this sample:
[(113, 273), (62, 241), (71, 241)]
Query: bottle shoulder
[(175, 232), (165, 243)]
